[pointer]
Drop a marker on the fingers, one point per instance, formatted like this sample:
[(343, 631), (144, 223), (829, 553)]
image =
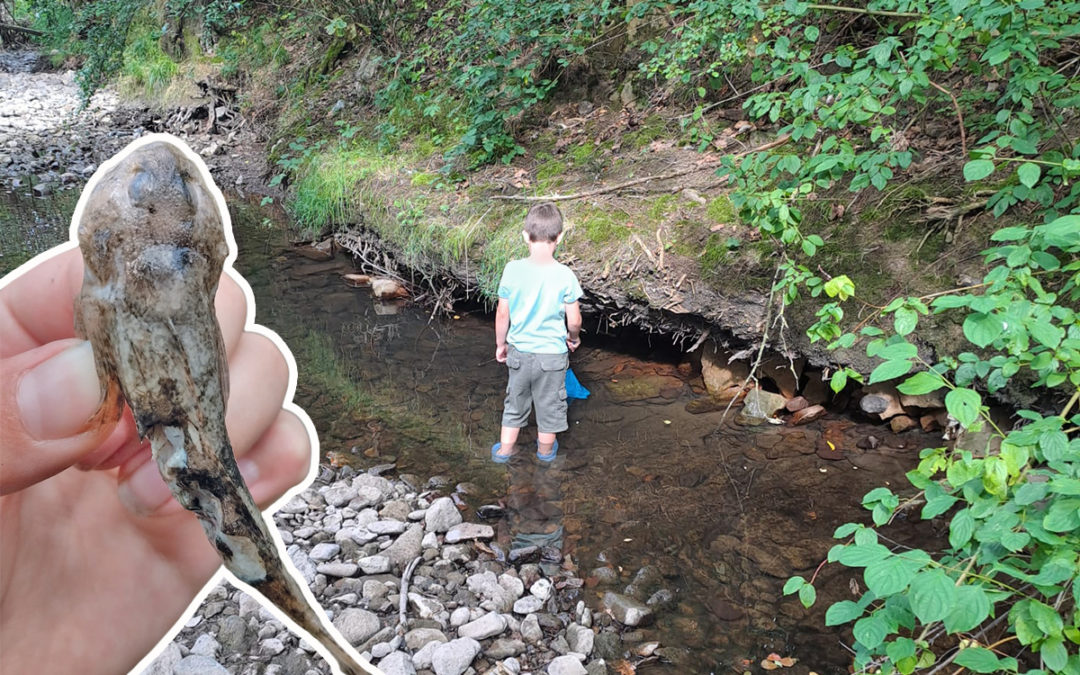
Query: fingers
[(52, 286), (52, 412), (259, 377), (280, 460)]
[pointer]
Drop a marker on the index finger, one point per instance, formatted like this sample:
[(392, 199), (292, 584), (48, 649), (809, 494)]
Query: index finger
[(37, 307)]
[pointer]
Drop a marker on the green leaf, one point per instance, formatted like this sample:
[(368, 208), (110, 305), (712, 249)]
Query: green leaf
[(982, 329), (936, 503), (1054, 444), (838, 381), (900, 649), (1015, 541), (807, 596), (921, 383), (961, 528), (793, 584), (891, 575), (971, 609), (870, 631), (977, 169), (963, 404), (1054, 655), (842, 612), (1011, 234), (932, 595), (1063, 516), (978, 660), (897, 351), (1046, 617), (845, 530), (1029, 493), (1029, 174), (905, 320), (862, 555), (889, 370)]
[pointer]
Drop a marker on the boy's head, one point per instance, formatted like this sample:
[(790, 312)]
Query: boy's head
[(544, 223)]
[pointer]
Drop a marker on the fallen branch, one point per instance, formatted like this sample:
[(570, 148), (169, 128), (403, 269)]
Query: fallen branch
[(20, 29), (404, 599), (645, 179)]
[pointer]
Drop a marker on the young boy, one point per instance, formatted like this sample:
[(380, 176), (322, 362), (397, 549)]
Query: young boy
[(536, 322)]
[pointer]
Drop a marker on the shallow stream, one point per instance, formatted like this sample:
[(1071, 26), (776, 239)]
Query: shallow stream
[(716, 515), (705, 517)]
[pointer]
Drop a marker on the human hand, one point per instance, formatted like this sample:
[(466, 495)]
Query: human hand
[(573, 344), (501, 352), (98, 560)]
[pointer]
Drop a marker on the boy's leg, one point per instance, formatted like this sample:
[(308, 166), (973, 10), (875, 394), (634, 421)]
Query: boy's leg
[(549, 394), (518, 402), (508, 436), (544, 443)]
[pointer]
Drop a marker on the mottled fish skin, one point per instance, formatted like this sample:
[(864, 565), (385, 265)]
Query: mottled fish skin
[(153, 244)]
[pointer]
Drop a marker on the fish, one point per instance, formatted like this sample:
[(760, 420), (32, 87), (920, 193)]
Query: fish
[(153, 243)]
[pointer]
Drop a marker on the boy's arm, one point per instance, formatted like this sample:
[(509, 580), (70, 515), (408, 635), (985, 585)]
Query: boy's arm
[(573, 326), (502, 327)]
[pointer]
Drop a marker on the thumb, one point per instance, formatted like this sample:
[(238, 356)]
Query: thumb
[(48, 399)]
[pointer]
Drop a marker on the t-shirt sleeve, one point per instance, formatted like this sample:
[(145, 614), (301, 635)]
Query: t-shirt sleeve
[(504, 283), (573, 289)]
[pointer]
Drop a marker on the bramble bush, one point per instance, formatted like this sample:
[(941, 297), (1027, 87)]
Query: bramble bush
[(1003, 595)]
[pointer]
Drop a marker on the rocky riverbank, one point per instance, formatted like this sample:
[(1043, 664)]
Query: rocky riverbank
[(50, 141), (468, 607)]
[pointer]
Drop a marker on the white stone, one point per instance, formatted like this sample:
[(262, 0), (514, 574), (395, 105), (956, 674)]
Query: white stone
[(541, 589), (374, 564), (467, 531), (454, 657), (442, 515), (323, 552), (528, 605), (566, 665), (489, 625), (386, 527)]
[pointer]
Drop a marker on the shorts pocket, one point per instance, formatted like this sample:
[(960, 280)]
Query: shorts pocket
[(550, 362), (513, 361)]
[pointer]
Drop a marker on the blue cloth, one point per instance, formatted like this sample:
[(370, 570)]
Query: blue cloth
[(537, 295), (573, 387)]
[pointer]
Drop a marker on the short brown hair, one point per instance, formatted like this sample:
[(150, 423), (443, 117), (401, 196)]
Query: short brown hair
[(544, 222)]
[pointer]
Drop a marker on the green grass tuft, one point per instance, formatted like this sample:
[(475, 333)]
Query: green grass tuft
[(721, 210), (146, 67), (601, 226)]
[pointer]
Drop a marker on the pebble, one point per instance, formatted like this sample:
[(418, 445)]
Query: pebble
[(466, 531)]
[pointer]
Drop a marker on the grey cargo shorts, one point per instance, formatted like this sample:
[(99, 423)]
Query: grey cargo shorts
[(536, 380)]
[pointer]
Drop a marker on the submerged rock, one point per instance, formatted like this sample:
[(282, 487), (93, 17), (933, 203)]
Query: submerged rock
[(627, 610), (762, 404)]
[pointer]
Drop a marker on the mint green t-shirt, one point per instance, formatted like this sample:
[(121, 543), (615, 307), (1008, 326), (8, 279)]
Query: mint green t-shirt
[(538, 295)]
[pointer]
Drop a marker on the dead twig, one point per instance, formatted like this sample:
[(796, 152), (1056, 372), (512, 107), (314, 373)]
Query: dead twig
[(959, 114), (404, 600), (644, 179)]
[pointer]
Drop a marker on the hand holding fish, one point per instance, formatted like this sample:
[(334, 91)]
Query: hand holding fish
[(96, 565)]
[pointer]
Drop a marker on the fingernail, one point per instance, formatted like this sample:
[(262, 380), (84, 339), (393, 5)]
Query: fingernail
[(144, 491), (59, 396)]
